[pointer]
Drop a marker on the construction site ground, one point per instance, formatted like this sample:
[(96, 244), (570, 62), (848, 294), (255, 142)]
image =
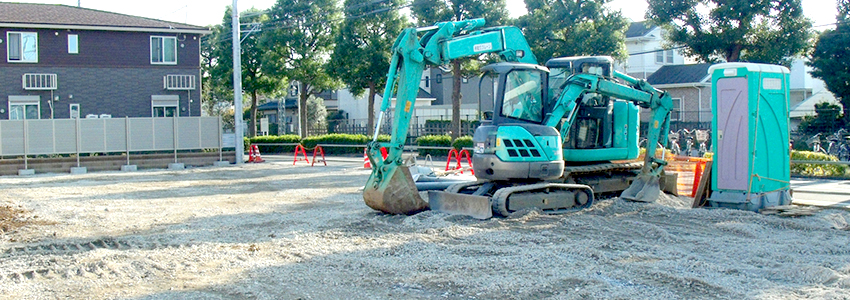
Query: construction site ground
[(277, 231)]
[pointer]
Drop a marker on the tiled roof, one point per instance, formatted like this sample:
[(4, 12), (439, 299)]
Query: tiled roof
[(678, 74), (638, 29), (63, 15), (273, 105)]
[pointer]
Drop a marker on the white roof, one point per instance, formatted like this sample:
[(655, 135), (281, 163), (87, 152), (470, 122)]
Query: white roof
[(752, 67), (807, 107)]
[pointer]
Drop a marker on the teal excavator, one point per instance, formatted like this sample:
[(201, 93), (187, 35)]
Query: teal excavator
[(553, 136)]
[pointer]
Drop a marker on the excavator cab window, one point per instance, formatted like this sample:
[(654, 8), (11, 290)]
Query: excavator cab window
[(487, 86), (523, 98)]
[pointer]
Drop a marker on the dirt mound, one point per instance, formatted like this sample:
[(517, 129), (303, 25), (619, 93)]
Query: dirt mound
[(12, 218)]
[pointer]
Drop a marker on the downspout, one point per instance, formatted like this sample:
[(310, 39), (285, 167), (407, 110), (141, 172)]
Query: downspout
[(699, 103)]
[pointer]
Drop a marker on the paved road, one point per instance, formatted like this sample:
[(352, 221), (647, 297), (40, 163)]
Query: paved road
[(821, 192)]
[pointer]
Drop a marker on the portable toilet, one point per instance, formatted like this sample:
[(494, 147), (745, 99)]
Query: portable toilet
[(750, 136)]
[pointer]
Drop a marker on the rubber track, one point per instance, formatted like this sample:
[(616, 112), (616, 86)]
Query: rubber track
[(500, 198)]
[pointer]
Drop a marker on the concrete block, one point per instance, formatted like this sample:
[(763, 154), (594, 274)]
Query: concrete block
[(129, 168), (78, 170), (26, 172), (222, 163), (176, 166)]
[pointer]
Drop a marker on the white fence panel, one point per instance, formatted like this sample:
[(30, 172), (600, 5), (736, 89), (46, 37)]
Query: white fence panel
[(189, 130), (163, 133), (92, 135), (11, 141), (60, 136), (115, 135), (40, 137), (210, 138), (66, 136)]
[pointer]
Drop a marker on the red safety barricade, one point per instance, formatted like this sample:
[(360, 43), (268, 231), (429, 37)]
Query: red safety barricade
[(300, 149), (319, 149), (698, 170), (458, 156)]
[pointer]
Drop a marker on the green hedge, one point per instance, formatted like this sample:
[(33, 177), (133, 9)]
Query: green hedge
[(441, 141), (341, 139), (825, 170), (274, 139)]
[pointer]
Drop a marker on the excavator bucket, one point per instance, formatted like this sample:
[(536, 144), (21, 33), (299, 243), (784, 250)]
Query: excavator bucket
[(395, 194), (645, 188), (670, 183)]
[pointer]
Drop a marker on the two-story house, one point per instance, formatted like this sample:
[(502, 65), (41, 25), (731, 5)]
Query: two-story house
[(647, 54), (59, 61)]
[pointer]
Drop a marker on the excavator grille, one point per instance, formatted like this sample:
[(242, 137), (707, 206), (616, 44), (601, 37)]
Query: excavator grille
[(521, 148)]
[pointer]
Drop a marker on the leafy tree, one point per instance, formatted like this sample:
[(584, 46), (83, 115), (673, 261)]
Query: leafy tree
[(557, 28), (361, 57), (317, 113), (216, 96), (430, 12), (256, 81), (764, 31), (826, 120), (830, 59), (299, 39)]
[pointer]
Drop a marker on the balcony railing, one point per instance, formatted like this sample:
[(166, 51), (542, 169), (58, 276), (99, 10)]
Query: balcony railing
[(179, 82), (39, 82)]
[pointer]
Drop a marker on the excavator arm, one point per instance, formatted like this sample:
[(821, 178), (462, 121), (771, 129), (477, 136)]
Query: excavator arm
[(390, 187), (645, 188)]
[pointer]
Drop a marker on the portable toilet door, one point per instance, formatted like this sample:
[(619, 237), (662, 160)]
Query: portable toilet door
[(750, 136)]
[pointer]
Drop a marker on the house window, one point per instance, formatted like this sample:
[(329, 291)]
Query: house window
[(24, 107), (664, 56), (22, 47), (439, 78), (669, 56), (427, 81), (75, 111), (164, 50), (659, 56), (675, 113), (164, 106), (73, 44)]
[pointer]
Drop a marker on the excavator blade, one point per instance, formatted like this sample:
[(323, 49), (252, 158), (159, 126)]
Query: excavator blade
[(395, 194), (460, 204), (645, 188)]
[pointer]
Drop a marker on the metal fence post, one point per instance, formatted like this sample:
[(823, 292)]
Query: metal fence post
[(127, 137), (174, 136), (79, 137), (26, 145)]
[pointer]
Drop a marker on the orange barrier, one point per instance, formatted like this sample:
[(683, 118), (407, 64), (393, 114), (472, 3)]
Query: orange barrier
[(698, 171), (254, 155), (366, 163), (319, 149), (458, 156), (300, 149)]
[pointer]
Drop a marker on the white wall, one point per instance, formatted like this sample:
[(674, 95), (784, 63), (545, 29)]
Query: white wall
[(643, 65)]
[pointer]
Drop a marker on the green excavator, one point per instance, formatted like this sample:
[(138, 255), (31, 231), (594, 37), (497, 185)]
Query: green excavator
[(553, 137)]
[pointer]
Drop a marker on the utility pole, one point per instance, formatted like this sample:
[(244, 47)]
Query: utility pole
[(237, 86)]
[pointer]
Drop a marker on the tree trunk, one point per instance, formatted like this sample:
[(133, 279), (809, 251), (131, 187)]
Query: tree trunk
[(370, 124), (844, 102), (252, 130), (456, 97), (734, 53), (302, 111)]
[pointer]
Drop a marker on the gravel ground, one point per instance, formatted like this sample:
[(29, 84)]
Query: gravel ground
[(277, 231)]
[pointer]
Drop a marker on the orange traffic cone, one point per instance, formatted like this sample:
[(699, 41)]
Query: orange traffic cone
[(366, 163), (255, 156)]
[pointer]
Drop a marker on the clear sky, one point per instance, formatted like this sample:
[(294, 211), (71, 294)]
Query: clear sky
[(207, 12)]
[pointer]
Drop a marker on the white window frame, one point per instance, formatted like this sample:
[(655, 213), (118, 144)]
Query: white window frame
[(71, 110), (676, 112), (21, 47), (24, 101), (165, 101), (73, 44), (162, 49)]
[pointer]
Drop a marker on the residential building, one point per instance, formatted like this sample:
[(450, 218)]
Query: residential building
[(646, 48), (66, 62), (690, 88)]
